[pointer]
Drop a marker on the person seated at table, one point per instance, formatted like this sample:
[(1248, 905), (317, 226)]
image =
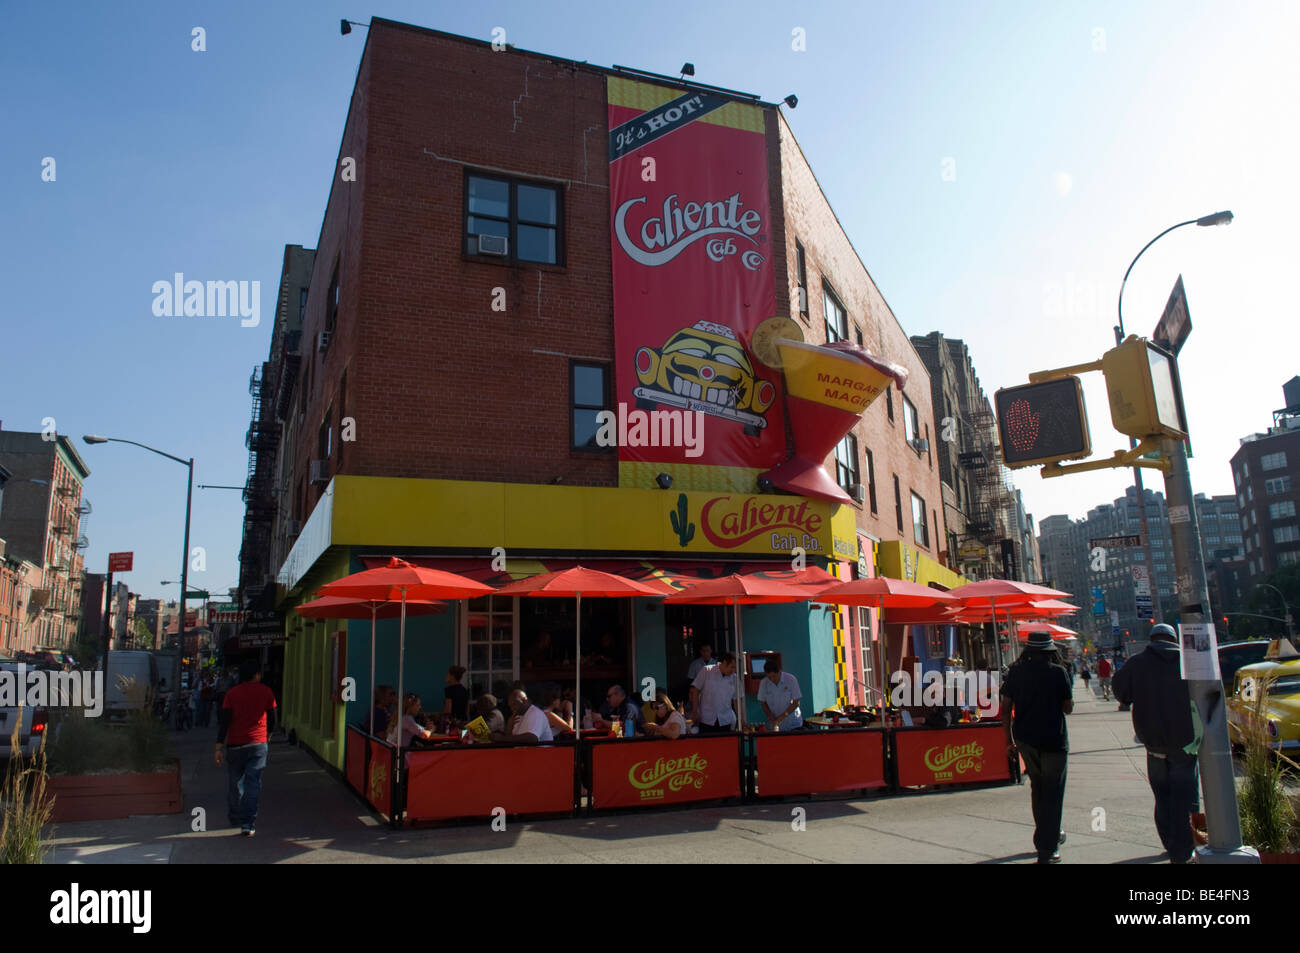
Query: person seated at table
[(553, 708), (382, 708), (410, 725), (490, 711), (778, 693), (455, 697), (669, 722), (527, 725), (617, 705)]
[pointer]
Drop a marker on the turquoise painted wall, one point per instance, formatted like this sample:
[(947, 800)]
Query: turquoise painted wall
[(430, 646), (805, 640), (651, 647)]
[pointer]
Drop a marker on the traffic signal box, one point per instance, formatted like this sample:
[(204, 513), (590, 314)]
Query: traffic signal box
[(1042, 423), (1145, 396)]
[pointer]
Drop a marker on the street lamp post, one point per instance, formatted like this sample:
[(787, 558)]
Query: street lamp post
[(189, 493), (1218, 218), (1286, 609), (1194, 602)]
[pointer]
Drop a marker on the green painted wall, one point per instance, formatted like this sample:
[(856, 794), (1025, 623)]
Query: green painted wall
[(803, 637)]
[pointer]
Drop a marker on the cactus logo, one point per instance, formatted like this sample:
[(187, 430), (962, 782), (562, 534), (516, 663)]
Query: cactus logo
[(680, 518)]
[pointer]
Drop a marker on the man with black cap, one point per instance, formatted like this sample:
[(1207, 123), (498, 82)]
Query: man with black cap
[(1037, 692), (1166, 722)]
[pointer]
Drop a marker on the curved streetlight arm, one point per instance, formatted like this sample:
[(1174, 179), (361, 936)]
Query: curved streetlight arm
[(1218, 218), (1119, 307), (140, 445), (1286, 608)]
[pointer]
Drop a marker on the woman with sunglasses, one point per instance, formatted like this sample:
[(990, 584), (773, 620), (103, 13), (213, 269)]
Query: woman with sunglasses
[(669, 722)]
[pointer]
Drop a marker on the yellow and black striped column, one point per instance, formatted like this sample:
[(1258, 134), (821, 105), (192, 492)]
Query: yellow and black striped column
[(837, 629)]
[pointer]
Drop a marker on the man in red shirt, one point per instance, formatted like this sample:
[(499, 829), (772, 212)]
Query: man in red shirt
[(241, 743), (1103, 676)]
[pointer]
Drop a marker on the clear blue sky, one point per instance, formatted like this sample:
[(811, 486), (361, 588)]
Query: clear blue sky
[(1072, 148)]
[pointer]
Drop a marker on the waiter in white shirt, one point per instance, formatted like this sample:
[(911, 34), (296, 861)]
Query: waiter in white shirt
[(713, 696), (528, 724), (778, 693)]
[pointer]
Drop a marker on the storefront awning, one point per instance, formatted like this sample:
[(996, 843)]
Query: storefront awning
[(669, 575)]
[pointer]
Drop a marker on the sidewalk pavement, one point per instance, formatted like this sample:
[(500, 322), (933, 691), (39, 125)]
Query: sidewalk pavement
[(309, 816)]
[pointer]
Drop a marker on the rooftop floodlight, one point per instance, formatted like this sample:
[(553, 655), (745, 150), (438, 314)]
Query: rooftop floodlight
[(792, 100), (688, 69), (345, 27)]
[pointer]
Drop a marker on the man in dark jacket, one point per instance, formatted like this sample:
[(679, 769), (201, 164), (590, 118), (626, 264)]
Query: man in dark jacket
[(1166, 722), (1036, 697)]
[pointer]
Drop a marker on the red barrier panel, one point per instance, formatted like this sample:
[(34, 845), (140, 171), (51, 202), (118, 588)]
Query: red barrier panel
[(354, 761), (379, 784), (636, 773), (837, 760), (469, 782), (956, 755)]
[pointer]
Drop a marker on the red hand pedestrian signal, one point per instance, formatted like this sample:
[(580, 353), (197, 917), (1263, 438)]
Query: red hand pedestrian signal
[(1042, 423), (1022, 425)]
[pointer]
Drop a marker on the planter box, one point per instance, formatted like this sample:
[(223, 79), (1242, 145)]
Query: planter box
[(98, 797), (1292, 857)]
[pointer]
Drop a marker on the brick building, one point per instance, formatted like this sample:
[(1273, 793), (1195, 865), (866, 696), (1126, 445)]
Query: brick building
[(40, 520), (482, 287)]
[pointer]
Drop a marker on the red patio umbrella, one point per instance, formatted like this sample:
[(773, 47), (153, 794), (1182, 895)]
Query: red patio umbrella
[(1057, 632), (340, 607), (882, 593), (1008, 592), (735, 591), (400, 581), (575, 583)]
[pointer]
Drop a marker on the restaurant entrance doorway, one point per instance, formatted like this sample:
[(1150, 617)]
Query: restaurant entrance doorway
[(686, 628)]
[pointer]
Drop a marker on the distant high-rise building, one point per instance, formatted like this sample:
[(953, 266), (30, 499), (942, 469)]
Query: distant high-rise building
[(1266, 474)]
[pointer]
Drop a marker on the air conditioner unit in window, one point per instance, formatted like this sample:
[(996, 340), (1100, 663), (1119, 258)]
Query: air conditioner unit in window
[(320, 471), (858, 492), (497, 245), (922, 444), (323, 341)]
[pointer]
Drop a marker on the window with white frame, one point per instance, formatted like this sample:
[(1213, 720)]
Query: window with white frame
[(837, 319), (1277, 486), (1273, 461), (490, 643), (1279, 511), (1286, 534), (846, 462), (920, 525)]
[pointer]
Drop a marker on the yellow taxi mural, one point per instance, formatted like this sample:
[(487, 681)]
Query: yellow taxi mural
[(704, 368)]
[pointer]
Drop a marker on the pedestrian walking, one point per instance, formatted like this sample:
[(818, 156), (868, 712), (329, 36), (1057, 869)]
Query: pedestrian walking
[(1086, 676), (1103, 676), (1036, 697), (1166, 722), (241, 744)]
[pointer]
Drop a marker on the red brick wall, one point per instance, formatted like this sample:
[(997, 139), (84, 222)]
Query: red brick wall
[(439, 384), (829, 253), (442, 386)]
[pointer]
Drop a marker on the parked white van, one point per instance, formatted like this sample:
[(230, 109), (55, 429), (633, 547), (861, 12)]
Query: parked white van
[(123, 669)]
